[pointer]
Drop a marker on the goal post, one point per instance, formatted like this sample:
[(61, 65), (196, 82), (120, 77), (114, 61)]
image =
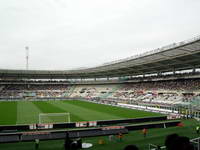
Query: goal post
[(45, 118)]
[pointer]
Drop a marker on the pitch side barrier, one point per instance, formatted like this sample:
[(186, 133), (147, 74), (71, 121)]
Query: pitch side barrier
[(109, 122), (56, 135), (84, 123), (135, 120), (102, 131), (9, 128)]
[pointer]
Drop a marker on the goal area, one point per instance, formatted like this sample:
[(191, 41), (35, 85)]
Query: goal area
[(45, 118)]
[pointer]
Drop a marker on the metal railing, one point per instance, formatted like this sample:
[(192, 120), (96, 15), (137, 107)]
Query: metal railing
[(195, 142)]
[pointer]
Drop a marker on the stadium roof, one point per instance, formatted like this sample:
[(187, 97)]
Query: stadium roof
[(177, 56)]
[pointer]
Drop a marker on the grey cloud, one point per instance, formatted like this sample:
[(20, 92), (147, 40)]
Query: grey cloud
[(63, 34)]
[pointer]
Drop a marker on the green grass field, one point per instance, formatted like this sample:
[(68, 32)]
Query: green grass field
[(27, 112)]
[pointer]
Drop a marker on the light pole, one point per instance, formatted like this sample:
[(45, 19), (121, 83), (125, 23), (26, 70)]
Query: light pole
[(27, 57)]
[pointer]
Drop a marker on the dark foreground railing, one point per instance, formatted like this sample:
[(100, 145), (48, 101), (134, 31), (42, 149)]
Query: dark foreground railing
[(79, 133)]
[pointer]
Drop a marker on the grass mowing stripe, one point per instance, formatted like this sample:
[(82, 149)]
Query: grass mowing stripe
[(120, 112), (27, 113), (47, 107), (8, 113), (84, 113), (73, 117)]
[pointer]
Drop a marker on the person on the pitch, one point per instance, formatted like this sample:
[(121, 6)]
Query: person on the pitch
[(197, 129), (110, 137), (120, 136), (144, 131), (37, 144)]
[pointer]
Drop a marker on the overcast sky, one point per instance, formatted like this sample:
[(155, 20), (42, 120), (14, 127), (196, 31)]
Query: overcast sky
[(66, 34)]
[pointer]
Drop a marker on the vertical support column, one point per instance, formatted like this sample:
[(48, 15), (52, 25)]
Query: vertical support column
[(196, 115), (159, 74), (179, 110), (194, 70), (174, 71)]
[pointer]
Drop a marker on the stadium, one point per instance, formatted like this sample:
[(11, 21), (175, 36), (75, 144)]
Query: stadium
[(158, 90), (99, 75)]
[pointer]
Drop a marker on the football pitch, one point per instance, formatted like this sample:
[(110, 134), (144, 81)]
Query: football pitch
[(27, 112)]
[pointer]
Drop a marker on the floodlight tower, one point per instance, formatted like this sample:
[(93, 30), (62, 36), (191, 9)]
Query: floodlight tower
[(27, 65), (27, 57)]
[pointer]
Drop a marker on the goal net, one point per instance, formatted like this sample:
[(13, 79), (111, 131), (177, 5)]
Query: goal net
[(54, 118)]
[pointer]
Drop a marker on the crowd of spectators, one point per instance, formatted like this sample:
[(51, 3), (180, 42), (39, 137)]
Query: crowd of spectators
[(168, 92), (24, 90), (30, 87), (174, 85)]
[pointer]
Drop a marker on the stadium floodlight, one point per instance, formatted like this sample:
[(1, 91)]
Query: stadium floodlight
[(27, 57), (45, 118)]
